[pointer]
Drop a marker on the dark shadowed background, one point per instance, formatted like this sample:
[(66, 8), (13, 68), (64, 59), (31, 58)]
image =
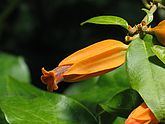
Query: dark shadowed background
[(46, 31)]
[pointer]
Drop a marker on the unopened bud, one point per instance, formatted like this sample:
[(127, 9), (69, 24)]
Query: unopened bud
[(159, 32)]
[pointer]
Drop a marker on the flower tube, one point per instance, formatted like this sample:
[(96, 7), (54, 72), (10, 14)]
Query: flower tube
[(141, 115), (90, 61)]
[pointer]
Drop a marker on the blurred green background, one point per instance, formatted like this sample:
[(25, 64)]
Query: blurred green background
[(46, 31)]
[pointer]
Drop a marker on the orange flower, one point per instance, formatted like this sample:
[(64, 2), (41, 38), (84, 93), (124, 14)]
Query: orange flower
[(93, 60), (159, 32), (141, 115)]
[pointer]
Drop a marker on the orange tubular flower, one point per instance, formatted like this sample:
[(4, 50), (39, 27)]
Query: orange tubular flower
[(159, 32), (93, 60), (141, 115)]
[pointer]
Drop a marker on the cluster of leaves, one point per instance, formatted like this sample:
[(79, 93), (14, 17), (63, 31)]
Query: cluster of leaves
[(110, 96), (85, 102), (144, 65)]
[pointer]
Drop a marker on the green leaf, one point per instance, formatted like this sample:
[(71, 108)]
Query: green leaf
[(149, 43), (119, 120), (51, 109), (110, 117), (149, 16), (12, 87), (2, 118), (13, 66), (122, 103), (146, 75), (108, 20), (100, 89), (24, 106), (105, 117), (159, 52)]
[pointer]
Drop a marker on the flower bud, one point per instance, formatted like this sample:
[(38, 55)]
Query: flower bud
[(93, 60), (141, 115), (159, 32)]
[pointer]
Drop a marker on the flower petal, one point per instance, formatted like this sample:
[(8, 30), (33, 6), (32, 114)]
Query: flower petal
[(92, 50), (106, 60), (53, 77), (75, 77), (141, 115)]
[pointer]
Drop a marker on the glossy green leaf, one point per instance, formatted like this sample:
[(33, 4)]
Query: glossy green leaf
[(122, 103), (2, 118), (146, 75), (24, 107), (45, 110), (14, 66), (110, 118), (12, 87), (119, 120), (149, 16), (159, 52), (108, 20), (11, 66), (97, 90), (149, 43)]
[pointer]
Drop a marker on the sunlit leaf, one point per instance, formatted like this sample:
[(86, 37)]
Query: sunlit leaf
[(159, 52), (12, 87), (146, 75), (2, 118), (108, 20), (14, 66), (24, 107), (119, 120)]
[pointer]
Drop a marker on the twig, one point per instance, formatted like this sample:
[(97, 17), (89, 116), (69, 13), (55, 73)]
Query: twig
[(152, 10)]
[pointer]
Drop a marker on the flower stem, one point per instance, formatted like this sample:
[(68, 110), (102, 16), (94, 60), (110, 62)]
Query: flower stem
[(161, 6), (152, 10)]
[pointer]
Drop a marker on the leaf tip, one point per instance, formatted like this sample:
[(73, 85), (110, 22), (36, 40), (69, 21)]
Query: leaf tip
[(82, 23)]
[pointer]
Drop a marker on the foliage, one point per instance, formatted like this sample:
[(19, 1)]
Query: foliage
[(148, 81), (23, 103), (159, 52), (108, 20)]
